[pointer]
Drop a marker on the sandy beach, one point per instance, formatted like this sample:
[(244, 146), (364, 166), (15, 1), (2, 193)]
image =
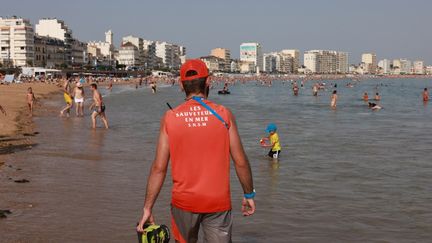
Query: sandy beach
[(16, 128)]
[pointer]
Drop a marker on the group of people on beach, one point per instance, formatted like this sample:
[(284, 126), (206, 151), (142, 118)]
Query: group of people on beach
[(73, 93)]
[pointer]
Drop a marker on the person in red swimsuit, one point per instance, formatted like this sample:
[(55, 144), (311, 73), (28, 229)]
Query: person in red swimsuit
[(198, 137)]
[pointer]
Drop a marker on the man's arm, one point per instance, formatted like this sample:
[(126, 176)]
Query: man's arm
[(242, 167), (157, 176)]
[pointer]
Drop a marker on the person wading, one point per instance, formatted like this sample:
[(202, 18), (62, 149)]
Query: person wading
[(198, 137)]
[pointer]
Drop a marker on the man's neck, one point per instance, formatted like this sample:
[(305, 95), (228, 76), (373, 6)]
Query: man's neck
[(196, 95)]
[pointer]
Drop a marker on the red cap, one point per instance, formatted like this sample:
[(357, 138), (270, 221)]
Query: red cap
[(193, 65)]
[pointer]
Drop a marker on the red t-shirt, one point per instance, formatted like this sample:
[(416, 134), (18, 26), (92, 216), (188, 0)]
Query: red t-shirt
[(200, 157)]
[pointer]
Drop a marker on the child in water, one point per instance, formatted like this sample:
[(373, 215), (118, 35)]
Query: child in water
[(274, 141)]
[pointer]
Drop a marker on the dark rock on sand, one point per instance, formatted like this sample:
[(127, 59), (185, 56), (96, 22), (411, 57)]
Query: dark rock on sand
[(22, 181), (4, 213)]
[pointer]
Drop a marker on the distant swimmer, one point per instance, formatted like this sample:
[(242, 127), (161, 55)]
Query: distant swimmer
[(274, 141), (425, 95), (377, 97), (315, 90), (334, 98), (98, 107), (374, 106), (365, 97)]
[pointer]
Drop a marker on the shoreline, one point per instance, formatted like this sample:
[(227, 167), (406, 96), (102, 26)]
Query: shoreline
[(17, 127)]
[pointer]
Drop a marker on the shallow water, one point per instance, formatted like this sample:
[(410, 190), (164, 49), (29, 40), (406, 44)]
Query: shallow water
[(350, 175)]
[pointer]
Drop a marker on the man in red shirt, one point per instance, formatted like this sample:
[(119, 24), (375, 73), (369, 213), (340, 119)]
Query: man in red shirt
[(198, 137)]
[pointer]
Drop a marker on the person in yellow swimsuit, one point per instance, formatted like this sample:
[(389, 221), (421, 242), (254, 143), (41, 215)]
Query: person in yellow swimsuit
[(274, 141)]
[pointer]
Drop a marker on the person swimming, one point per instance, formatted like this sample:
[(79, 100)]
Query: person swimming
[(374, 106)]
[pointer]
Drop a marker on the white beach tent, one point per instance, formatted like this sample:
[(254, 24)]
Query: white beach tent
[(9, 78)]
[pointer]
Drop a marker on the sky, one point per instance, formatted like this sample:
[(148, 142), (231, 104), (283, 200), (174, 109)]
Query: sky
[(390, 28)]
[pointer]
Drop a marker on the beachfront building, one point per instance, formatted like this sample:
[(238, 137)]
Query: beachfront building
[(169, 54), (246, 67), (78, 53), (235, 66), (75, 51), (139, 45), (129, 55), (405, 66), (370, 63), (56, 28), (384, 66), (418, 67), (102, 52), (48, 52), (326, 61), (269, 62), (342, 62), (16, 42), (284, 63), (223, 54), (214, 64), (310, 61), (428, 70), (252, 53), (295, 54)]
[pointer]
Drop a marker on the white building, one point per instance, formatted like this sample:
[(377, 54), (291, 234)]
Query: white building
[(169, 54), (405, 66), (342, 64), (384, 66), (102, 50), (129, 55), (252, 52), (428, 70), (326, 61), (370, 61), (419, 67), (16, 42), (310, 61), (75, 51), (269, 62), (295, 54)]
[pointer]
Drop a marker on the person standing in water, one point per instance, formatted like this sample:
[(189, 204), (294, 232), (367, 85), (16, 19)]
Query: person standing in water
[(365, 97), (98, 107), (377, 97), (67, 94), (425, 95), (315, 90), (198, 138), (273, 138), (334, 98), (78, 94)]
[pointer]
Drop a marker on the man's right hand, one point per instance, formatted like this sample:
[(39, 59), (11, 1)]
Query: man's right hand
[(146, 218), (248, 207)]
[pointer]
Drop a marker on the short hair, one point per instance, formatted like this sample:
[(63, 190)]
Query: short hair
[(93, 85), (195, 85), (334, 91)]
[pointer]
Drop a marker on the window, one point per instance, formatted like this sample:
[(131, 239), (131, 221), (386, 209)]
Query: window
[(22, 47)]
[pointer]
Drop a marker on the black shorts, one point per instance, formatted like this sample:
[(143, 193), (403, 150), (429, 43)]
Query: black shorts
[(274, 154), (99, 109)]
